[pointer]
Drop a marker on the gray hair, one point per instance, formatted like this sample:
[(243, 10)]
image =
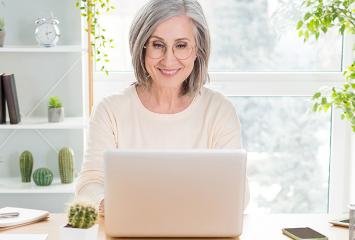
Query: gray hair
[(143, 26)]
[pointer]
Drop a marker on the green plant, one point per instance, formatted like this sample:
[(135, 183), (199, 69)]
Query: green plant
[(320, 17), (66, 164), (43, 177), (82, 215), (91, 10), (2, 24), (26, 165), (54, 102)]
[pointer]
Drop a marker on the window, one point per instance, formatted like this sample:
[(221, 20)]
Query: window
[(288, 153), (269, 74), (254, 35)]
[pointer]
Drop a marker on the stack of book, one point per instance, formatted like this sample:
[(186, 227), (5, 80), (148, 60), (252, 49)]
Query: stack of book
[(8, 96)]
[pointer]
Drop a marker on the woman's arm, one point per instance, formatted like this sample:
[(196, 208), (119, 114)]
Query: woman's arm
[(102, 135)]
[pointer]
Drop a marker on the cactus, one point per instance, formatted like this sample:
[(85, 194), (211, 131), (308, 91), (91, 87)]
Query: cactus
[(43, 177), (82, 215), (66, 165), (26, 165)]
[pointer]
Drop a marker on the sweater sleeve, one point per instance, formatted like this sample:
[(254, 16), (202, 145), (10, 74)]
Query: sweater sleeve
[(102, 135), (227, 134)]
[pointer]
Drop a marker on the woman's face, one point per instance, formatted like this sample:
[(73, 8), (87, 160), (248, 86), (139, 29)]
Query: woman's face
[(175, 39)]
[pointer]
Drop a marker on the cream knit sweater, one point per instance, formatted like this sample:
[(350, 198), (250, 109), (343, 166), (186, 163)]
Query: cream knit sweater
[(122, 121)]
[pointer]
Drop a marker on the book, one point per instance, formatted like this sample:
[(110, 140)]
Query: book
[(26, 216), (2, 103), (9, 85)]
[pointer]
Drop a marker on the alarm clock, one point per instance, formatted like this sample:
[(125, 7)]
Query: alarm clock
[(47, 31)]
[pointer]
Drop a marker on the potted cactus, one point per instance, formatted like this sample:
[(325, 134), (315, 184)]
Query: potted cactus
[(82, 224), (43, 177), (26, 165), (2, 31), (66, 165), (55, 110)]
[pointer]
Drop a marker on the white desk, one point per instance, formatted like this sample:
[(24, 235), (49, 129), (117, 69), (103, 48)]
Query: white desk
[(256, 227)]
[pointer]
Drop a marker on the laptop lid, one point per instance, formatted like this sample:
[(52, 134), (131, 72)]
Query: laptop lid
[(174, 193)]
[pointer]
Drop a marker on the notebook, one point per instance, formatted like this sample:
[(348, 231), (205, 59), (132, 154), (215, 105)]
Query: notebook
[(174, 193), (26, 216)]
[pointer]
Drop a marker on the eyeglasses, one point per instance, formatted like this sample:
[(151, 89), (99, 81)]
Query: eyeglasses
[(157, 49)]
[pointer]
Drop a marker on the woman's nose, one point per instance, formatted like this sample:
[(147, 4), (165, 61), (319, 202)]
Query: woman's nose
[(169, 57)]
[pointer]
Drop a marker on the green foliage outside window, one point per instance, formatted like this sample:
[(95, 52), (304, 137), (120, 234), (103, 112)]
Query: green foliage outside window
[(91, 10), (319, 18)]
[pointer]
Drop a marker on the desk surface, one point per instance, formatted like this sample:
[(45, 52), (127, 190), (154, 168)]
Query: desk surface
[(255, 226)]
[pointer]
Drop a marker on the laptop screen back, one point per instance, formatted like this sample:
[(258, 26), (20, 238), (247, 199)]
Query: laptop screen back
[(174, 193)]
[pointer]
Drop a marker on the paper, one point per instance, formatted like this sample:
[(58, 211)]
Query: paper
[(23, 236), (26, 216)]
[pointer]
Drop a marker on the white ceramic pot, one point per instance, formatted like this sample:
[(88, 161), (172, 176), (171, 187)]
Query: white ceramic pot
[(2, 38), (56, 114), (70, 233)]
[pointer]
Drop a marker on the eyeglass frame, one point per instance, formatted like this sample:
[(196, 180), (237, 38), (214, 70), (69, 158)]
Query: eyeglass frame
[(166, 48)]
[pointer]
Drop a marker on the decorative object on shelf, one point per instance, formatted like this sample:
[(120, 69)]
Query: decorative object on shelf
[(2, 103), (47, 32), (55, 110), (99, 42), (82, 218), (10, 92), (26, 165), (43, 177), (66, 164), (320, 17), (2, 31)]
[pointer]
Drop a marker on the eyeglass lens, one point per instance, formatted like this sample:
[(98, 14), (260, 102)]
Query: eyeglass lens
[(157, 49)]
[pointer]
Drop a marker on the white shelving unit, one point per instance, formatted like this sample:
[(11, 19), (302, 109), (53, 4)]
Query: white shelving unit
[(40, 73), (14, 185), (42, 123), (38, 49)]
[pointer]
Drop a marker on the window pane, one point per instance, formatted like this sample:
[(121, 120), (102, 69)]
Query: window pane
[(288, 154), (257, 35)]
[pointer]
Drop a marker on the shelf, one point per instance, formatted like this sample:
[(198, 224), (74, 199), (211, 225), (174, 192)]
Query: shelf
[(39, 49), (42, 123), (14, 185)]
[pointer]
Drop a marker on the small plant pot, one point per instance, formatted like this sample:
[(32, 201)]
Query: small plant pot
[(69, 233), (56, 114), (2, 38)]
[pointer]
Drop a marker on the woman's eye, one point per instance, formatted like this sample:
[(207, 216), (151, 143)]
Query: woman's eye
[(181, 45), (158, 45)]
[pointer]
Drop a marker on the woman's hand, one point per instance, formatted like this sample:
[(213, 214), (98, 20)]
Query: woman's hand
[(102, 208)]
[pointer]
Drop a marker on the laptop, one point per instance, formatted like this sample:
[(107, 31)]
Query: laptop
[(174, 193)]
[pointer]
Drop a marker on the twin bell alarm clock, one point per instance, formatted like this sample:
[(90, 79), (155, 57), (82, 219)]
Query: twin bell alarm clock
[(47, 31)]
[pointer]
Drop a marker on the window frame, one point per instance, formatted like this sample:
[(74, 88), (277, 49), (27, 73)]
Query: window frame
[(342, 158)]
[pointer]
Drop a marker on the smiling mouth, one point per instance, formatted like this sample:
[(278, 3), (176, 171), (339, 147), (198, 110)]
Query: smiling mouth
[(168, 72)]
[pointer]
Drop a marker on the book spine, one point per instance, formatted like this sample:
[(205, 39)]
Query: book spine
[(2, 103), (11, 98)]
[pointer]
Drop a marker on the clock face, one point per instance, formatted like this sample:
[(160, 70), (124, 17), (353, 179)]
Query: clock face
[(47, 34)]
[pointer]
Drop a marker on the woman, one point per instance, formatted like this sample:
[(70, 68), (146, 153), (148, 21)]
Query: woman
[(167, 107)]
